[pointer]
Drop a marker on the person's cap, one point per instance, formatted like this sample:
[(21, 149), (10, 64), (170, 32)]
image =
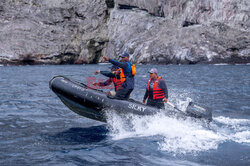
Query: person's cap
[(125, 54), (153, 70)]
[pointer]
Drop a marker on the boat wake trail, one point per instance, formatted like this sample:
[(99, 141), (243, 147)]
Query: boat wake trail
[(179, 136), (237, 130)]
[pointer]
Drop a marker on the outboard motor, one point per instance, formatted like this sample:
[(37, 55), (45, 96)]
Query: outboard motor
[(198, 112)]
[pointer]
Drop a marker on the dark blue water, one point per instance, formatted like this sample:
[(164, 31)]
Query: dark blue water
[(37, 129)]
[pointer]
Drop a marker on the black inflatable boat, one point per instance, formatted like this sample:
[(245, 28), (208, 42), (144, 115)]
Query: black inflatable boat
[(92, 103)]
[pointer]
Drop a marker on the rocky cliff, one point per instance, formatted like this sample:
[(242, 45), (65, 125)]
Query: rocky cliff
[(152, 31), (58, 31)]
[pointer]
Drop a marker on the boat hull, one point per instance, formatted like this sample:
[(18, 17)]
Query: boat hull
[(92, 103)]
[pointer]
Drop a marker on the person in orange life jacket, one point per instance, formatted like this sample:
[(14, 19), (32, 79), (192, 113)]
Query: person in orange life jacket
[(128, 84), (114, 78), (156, 91)]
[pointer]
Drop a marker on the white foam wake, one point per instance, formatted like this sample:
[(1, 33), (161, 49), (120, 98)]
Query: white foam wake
[(179, 136), (237, 130)]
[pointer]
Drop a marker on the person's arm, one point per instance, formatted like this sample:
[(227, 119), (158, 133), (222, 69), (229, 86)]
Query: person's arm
[(107, 74), (123, 65), (163, 86), (107, 82), (145, 96)]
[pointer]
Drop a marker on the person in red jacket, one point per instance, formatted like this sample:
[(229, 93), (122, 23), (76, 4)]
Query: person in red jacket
[(156, 91), (114, 77)]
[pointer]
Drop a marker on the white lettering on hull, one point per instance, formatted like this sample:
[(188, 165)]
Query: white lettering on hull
[(136, 107)]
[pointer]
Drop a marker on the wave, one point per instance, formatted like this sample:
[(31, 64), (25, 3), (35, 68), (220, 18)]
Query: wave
[(237, 130), (229, 121), (178, 135), (221, 64), (103, 63)]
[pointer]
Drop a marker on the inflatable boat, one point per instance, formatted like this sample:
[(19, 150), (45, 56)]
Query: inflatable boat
[(93, 103)]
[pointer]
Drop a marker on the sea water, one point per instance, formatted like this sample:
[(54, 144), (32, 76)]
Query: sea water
[(37, 129)]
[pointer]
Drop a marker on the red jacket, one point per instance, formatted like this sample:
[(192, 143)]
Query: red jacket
[(158, 92)]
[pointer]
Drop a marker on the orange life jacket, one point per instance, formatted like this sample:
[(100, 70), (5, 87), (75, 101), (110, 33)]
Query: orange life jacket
[(122, 74), (118, 82), (133, 69), (157, 91)]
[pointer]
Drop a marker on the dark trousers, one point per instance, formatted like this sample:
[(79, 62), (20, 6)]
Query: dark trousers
[(158, 103), (123, 93)]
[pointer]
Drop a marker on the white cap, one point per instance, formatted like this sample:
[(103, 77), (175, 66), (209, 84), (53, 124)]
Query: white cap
[(153, 70)]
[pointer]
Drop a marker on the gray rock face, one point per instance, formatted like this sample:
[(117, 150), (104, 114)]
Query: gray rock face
[(58, 31), (181, 31), (152, 31)]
